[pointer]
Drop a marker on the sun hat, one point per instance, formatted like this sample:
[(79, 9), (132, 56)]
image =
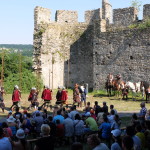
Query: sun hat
[(116, 132), (11, 119), (87, 114), (20, 134)]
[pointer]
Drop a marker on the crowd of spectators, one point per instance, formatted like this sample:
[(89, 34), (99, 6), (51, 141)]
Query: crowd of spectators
[(98, 126)]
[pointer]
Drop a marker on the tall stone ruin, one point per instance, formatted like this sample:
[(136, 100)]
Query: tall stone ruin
[(67, 51)]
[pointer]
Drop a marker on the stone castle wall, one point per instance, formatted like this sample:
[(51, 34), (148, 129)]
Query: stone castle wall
[(66, 51)]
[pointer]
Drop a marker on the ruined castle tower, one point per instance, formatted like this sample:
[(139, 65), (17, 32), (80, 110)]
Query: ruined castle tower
[(107, 11), (67, 51)]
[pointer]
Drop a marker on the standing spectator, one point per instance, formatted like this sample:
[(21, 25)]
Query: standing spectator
[(143, 112), (147, 116), (4, 141), (95, 143), (147, 134), (58, 117), (59, 130), (69, 127), (117, 140), (38, 123), (97, 108), (78, 127), (76, 95), (127, 143), (46, 96), (112, 108), (21, 144), (52, 126), (87, 108), (46, 142), (18, 113), (136, 140), (105, 108), (16, 97)]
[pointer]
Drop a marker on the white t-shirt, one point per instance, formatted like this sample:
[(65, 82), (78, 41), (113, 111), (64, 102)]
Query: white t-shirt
[(5, 144), (101, 146)]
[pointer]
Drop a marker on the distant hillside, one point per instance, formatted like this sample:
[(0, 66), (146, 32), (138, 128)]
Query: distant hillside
[(26, 50)]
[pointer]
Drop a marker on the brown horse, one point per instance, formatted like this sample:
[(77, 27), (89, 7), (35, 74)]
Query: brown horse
[(109, 87), (118, 86)]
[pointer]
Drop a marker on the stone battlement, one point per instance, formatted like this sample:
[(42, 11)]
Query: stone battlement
[(117, 17)]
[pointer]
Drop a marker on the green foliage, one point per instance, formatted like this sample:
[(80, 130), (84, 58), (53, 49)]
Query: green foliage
[(143, 25), (26, 50), (137, 4), (18, 71)]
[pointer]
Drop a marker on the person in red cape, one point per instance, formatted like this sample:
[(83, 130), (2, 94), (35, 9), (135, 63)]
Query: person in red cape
[(33, 98), (47, 97), (16, 97), (64, 96)]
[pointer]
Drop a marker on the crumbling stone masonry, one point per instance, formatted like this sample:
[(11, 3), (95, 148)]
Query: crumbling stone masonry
[(66, 51)]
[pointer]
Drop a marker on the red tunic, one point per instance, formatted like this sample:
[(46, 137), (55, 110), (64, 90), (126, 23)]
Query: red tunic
[(46, 94), (16, 96), (64, 96)]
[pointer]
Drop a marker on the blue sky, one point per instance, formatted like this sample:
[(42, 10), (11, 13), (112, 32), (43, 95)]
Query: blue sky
[(17, 16)]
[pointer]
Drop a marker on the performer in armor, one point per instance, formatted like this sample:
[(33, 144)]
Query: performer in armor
[(16, 97), (110, 77), (47, 97), (33, 98)]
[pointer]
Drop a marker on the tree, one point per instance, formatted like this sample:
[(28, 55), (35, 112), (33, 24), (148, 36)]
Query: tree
[(137, 4)]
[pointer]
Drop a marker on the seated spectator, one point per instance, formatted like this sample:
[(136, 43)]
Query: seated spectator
[(134, 120), (38, 123), (26, 124), (69, 126), (147, 134), (52, 126), (58, 117), (97, 108), (127, 143), (46, 142), (77, 146), (105, 108), (88, 107), (100, 118), (59, 129), (4, 141), (140, 134), (73, 112), (13, 126), (7, 130), (19, 114), (111, 117), (78, 127), (105, 129), (117, 140), (21, 143), (91, 124), (137, 142), (147, 117), (112, 108), (92, 114), (95, 143), (116, 124)]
